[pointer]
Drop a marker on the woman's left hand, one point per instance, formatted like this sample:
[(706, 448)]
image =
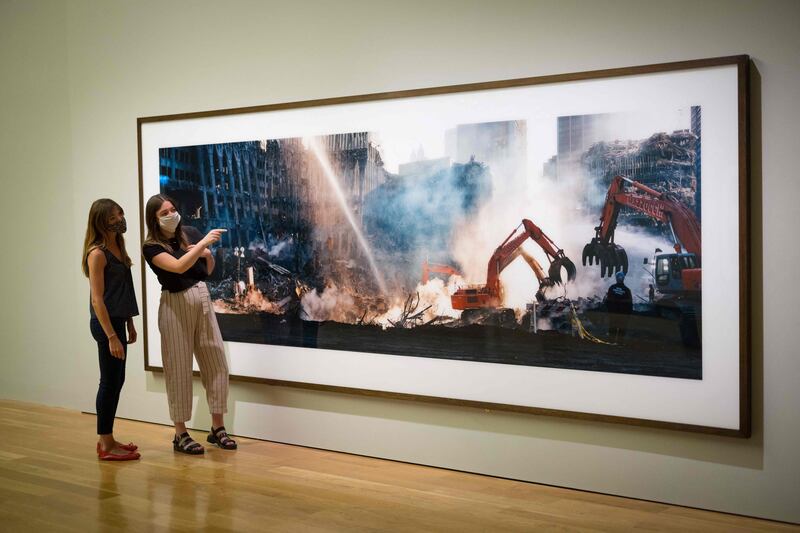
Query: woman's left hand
[(131, 333)]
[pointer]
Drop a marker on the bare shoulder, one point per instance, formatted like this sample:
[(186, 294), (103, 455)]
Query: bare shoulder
[(96, 260), (96, 254)]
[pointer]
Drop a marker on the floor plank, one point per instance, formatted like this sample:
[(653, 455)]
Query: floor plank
[(50, 479)]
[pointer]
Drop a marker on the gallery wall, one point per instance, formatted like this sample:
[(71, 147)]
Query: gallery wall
[(77, 74)]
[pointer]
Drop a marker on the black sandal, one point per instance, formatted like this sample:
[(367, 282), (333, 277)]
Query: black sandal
[(186, 444), (220, 437)]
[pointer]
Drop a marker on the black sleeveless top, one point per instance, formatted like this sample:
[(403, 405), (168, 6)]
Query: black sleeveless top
[(118, 294)]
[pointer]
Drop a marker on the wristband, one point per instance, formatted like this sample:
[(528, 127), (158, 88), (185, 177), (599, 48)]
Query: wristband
[(112, 336)]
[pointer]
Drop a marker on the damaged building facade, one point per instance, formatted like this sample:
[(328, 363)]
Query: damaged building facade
[(357, 163), (668, 162), (218, 186), (274, 191)]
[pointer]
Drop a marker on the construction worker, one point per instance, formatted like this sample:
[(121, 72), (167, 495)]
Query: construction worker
[(619, 302)]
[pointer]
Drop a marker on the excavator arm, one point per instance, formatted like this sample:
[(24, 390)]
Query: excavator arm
[(428, 268), (544, 281), (490, 295), (611, 257), (510, 250)]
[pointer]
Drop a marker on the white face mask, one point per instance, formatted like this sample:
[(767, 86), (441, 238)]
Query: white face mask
[(169, 222)]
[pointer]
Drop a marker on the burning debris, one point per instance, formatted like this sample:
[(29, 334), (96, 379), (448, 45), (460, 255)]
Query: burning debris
[(284, 275), (255, 284), (410, 315)]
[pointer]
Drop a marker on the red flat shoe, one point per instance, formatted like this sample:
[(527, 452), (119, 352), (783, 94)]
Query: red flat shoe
[(108, 456)]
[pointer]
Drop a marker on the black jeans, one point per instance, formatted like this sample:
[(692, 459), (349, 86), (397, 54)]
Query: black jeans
[(112, 374)]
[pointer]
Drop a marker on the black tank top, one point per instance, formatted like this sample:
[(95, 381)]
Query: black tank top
[(118, 294)]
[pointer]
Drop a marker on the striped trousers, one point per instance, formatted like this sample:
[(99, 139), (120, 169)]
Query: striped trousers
[(188, 325)]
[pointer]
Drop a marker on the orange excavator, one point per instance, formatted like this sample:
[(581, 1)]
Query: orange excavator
[(428, 268), (490, 296), (676, 273)]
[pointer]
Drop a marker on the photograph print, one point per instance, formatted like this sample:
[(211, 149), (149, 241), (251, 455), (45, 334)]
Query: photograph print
[(499, 243), (572, 242)]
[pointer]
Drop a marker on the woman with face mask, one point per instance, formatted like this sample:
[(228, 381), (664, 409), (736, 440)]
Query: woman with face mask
[(181, 260), (113, 306)]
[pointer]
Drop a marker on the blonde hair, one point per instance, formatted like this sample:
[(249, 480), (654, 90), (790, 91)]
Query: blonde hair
[(96, 228)]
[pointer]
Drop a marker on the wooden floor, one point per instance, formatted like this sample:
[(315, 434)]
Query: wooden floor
[(51, 480)]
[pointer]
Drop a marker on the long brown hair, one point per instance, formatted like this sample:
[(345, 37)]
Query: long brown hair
[(96, 228), (155, 235)]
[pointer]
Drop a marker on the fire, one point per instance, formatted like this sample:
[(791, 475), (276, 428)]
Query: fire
[(430, 300), (252, 300)]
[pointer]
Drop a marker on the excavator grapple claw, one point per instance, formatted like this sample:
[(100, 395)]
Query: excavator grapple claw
[(554, 272), (589, 253), (611, 258), (592, 252)]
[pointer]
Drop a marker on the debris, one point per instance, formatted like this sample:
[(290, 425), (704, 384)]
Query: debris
[(664, 162)]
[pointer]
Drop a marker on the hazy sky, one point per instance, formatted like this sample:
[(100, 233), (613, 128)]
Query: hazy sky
[(404, 136)]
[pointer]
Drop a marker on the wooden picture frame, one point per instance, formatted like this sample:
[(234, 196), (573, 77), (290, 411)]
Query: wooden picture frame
[(713, 397)]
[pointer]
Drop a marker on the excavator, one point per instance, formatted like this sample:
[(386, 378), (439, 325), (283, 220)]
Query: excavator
[(490, 296), (676, 273), (428, 268)]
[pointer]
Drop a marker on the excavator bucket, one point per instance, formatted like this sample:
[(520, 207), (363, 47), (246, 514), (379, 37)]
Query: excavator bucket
[(555, 270)]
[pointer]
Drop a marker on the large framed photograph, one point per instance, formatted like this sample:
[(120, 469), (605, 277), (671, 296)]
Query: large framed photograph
[(574, 245)]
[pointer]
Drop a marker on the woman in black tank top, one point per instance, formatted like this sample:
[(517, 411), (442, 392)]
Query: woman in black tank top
[(112, 308)]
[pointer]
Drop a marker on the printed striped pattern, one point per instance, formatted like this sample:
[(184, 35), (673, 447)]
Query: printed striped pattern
[(189, 326)]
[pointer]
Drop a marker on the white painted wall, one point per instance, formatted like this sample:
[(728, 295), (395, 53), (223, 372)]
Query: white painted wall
[(75, 75)]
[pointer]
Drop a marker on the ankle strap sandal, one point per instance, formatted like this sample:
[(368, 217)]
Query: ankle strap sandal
[(186, 444), (220, 437)]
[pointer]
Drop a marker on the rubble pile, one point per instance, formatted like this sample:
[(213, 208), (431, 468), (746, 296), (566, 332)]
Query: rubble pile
[(664, 162), (555, 315), (659, 160)]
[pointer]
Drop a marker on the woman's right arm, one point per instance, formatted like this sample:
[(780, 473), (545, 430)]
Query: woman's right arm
[(167, 262), (97, 264)]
